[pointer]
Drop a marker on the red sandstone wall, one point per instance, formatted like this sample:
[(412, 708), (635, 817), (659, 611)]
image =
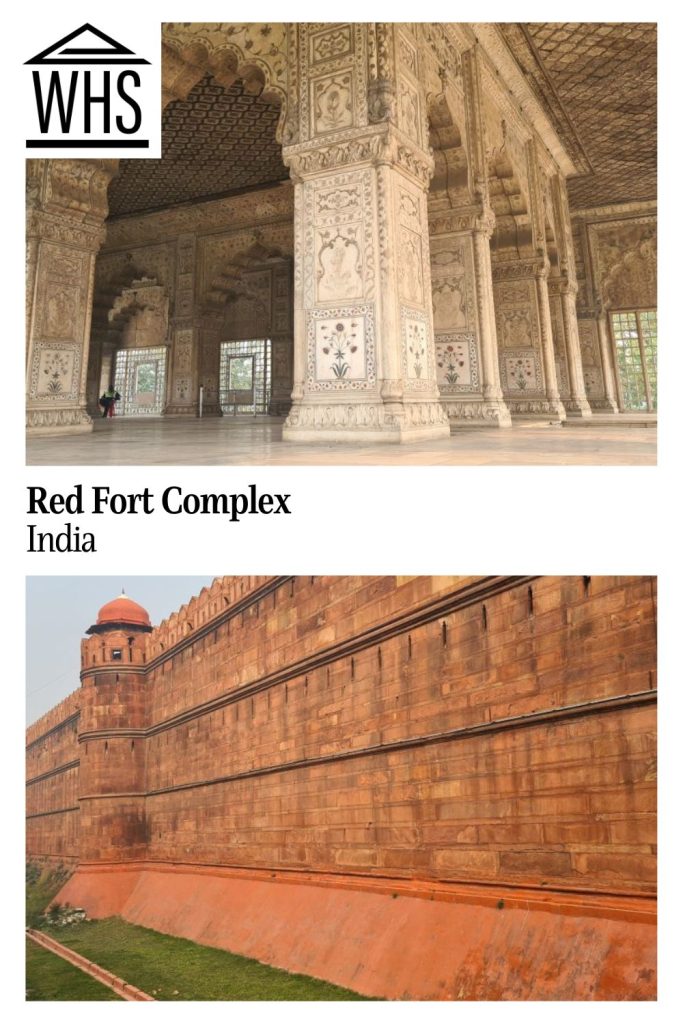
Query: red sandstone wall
[(561, 797), (567, 802), (52, 773)]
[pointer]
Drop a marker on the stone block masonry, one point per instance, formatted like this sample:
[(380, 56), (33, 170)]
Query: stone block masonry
[(487, 743)]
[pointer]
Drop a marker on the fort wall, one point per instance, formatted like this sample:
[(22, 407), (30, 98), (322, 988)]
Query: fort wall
[(486, 734), (52, 783)]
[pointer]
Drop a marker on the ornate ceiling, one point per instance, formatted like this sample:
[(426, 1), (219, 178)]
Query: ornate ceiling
[(598, 84), (216, 142)]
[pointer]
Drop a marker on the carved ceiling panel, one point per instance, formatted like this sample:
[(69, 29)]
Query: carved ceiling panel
[(216, 142), (598, 83)]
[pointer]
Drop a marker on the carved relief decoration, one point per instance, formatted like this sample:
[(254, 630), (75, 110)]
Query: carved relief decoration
[(330, 43), (241, 211), (444, 49), (183, 352), (452, 298), (407, 53), (590, 358), (340, 267), (332, 103), (408, 109), (332, 74), (218, 47), (624, 255), (338, 247), (410, 283)]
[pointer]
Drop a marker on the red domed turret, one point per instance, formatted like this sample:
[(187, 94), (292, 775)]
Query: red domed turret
[(122, 613)]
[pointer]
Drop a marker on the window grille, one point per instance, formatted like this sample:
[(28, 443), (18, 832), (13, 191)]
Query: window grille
[(140, 379), (245, 377), (635, 343)]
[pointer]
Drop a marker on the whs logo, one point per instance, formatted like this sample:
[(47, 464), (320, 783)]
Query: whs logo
[(90, 94)]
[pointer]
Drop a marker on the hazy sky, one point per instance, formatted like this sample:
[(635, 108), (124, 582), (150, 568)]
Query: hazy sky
[(59, 609)]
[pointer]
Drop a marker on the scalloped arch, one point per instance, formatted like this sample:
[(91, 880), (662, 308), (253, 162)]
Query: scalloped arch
[(256, 53)]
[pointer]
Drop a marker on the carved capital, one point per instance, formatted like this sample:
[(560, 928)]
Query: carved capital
[(60, 226), (380, 144), (79, 186)]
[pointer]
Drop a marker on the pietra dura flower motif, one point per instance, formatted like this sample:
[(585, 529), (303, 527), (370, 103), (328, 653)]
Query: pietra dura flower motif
[(451, 364), (417, 348), (521, 373), (55, 368), (339, 343)]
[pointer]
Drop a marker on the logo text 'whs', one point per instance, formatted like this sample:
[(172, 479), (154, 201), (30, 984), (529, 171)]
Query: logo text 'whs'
[(90, 94)]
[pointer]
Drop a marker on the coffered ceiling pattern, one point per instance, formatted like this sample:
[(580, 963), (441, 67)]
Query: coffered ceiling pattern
[(215, 142), (603, 79)]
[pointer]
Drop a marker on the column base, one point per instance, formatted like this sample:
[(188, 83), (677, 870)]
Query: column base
[(366, 423), (577, 407), (280, 406), (57, 421), (182, 410), (545, 408), (604, 405), (476, 412)]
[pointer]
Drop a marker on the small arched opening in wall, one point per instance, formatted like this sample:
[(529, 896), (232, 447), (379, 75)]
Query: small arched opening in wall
[(246, 344), (129, 340)]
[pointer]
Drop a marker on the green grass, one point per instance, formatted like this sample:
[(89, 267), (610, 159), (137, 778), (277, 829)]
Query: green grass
[(50, 978), (42, 885), (169, 968)]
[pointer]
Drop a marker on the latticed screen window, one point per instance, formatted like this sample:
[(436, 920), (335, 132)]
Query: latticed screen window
[(140, 379), (245, 376), (635, 342)]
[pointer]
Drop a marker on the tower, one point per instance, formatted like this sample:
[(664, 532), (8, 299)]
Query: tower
[(111, 737)]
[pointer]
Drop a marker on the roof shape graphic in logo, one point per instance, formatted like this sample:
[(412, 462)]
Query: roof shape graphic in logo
[(88, 50)]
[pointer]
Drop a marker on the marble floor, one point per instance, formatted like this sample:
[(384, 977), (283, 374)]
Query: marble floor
[(258, 442)]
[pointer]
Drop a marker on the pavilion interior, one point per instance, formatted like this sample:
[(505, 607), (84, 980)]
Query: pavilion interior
[(193, 317)]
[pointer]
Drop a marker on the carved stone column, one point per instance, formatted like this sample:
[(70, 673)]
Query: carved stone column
[(209, 363), (495, 408), (577, 402), (282, 342), (183, 369), (364, 366), (468, 374), (66, 207), (608, 374), (553, 403)]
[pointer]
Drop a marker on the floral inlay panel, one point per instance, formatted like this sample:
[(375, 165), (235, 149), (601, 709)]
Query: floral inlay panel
[(521, 372), (341, 349), (417, 355), (456, 363), (55, 371)]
